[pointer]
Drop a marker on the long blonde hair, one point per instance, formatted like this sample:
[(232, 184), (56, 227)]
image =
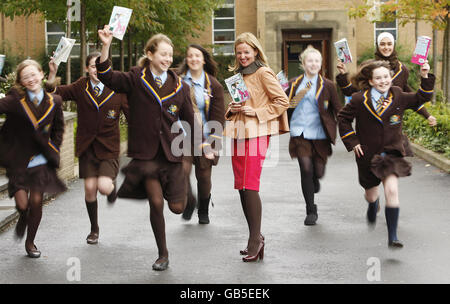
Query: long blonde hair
[(252, 41)]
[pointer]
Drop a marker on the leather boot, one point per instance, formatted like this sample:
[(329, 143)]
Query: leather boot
[(311, 215), (203, 205)]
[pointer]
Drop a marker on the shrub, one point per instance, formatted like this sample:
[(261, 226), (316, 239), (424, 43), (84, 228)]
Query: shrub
[(434, 138)]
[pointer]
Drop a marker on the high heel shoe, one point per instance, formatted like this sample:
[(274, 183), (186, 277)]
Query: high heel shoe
[(259, 254), (245, 251)]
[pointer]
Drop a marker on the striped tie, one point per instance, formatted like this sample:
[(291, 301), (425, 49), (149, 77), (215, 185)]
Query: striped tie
[(97, 91), (379, 103), (36, 101), (308, 85), (158, 82)]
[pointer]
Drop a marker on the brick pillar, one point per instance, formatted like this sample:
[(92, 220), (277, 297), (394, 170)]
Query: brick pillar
[(67, 151)]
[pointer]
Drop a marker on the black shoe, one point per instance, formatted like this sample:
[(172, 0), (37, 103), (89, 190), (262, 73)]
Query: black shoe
[(21, 224), (203, 213), (113, 195), (311, 215), (190, 207), (161, 266), (372, 210), (92, 238), (395, 244)]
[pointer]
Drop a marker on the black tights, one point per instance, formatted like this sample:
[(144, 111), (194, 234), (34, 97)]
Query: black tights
[(311, 170), (252, 207), (156, 201), (33, 202), (203, 176)]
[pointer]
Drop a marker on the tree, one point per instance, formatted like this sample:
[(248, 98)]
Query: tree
[(435, 12)]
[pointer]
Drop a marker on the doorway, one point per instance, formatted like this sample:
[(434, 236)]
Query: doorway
[(295, 41)]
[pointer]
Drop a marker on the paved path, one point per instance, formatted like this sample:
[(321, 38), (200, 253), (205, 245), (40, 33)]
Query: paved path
[(340, 249)]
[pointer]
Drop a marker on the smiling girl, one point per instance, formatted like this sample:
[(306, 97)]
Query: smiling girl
[(29, 147), (199, 70), (157, 99), (314, 105), (377, 141)]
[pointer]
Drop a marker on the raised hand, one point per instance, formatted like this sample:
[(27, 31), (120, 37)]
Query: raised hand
[(424, 69), (53, 69), (342, 68), (105, 35)]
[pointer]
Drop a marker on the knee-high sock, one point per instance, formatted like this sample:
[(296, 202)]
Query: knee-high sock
[(92, 208), (391, 221)]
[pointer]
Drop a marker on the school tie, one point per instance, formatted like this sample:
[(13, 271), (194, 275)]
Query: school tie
[(97, 91), (158, 81), (36, 101), (308, 85), (379, 103)]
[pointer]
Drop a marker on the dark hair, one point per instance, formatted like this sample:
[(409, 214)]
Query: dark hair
[(90, 56), (365, 72), (210, 65)]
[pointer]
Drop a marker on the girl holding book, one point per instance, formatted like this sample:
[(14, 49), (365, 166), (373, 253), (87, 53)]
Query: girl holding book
[(98, 135), (30, 140), (377, 140), (312, 113), (157, 99), (199, 70), (250, 125), (385, 50)]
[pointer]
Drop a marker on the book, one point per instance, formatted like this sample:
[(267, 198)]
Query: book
[(421, 51), (237, 88), (63, 50), (343, 51), (2, 62), (118, 22), (282, 79)]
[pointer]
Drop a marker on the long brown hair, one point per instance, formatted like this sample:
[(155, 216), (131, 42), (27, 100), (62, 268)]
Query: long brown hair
[(365, 72), (152, 46), (209, 67)]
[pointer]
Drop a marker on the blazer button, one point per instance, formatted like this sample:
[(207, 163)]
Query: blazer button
[(161, 132)]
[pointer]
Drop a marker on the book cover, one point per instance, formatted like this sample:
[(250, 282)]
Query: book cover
[(119, 21), (421, 51), (282, 79), (237, 88), (63, 50), (343, 51)]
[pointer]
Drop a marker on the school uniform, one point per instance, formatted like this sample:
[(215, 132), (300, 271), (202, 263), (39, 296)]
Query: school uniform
[(152, 112), (313, 118), (208, 103), (98, 134), (30, 140), (380, 134)]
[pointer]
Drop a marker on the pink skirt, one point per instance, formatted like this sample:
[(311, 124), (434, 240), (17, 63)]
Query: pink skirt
[(247, 160)]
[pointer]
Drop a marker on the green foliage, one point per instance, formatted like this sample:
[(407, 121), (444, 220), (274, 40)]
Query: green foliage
[(223, 63), (435, 138)]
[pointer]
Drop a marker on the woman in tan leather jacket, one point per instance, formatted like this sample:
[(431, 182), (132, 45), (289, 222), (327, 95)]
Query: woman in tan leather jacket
[(250, 125)]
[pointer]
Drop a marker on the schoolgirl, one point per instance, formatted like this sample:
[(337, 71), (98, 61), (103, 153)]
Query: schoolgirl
[(377, 140), (312, 113), (157, 99), (199, 70), (385, 50), (30, 140), (250, 125), (98, 135)]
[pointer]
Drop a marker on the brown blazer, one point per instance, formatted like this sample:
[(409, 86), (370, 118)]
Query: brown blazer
[(29, 131), (270, 104), (98, 117), (400, 79), (380, 133), (328, 103), (153, 110)]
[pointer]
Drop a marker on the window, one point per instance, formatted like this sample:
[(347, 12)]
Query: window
[(380, 27), (224, 29)]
